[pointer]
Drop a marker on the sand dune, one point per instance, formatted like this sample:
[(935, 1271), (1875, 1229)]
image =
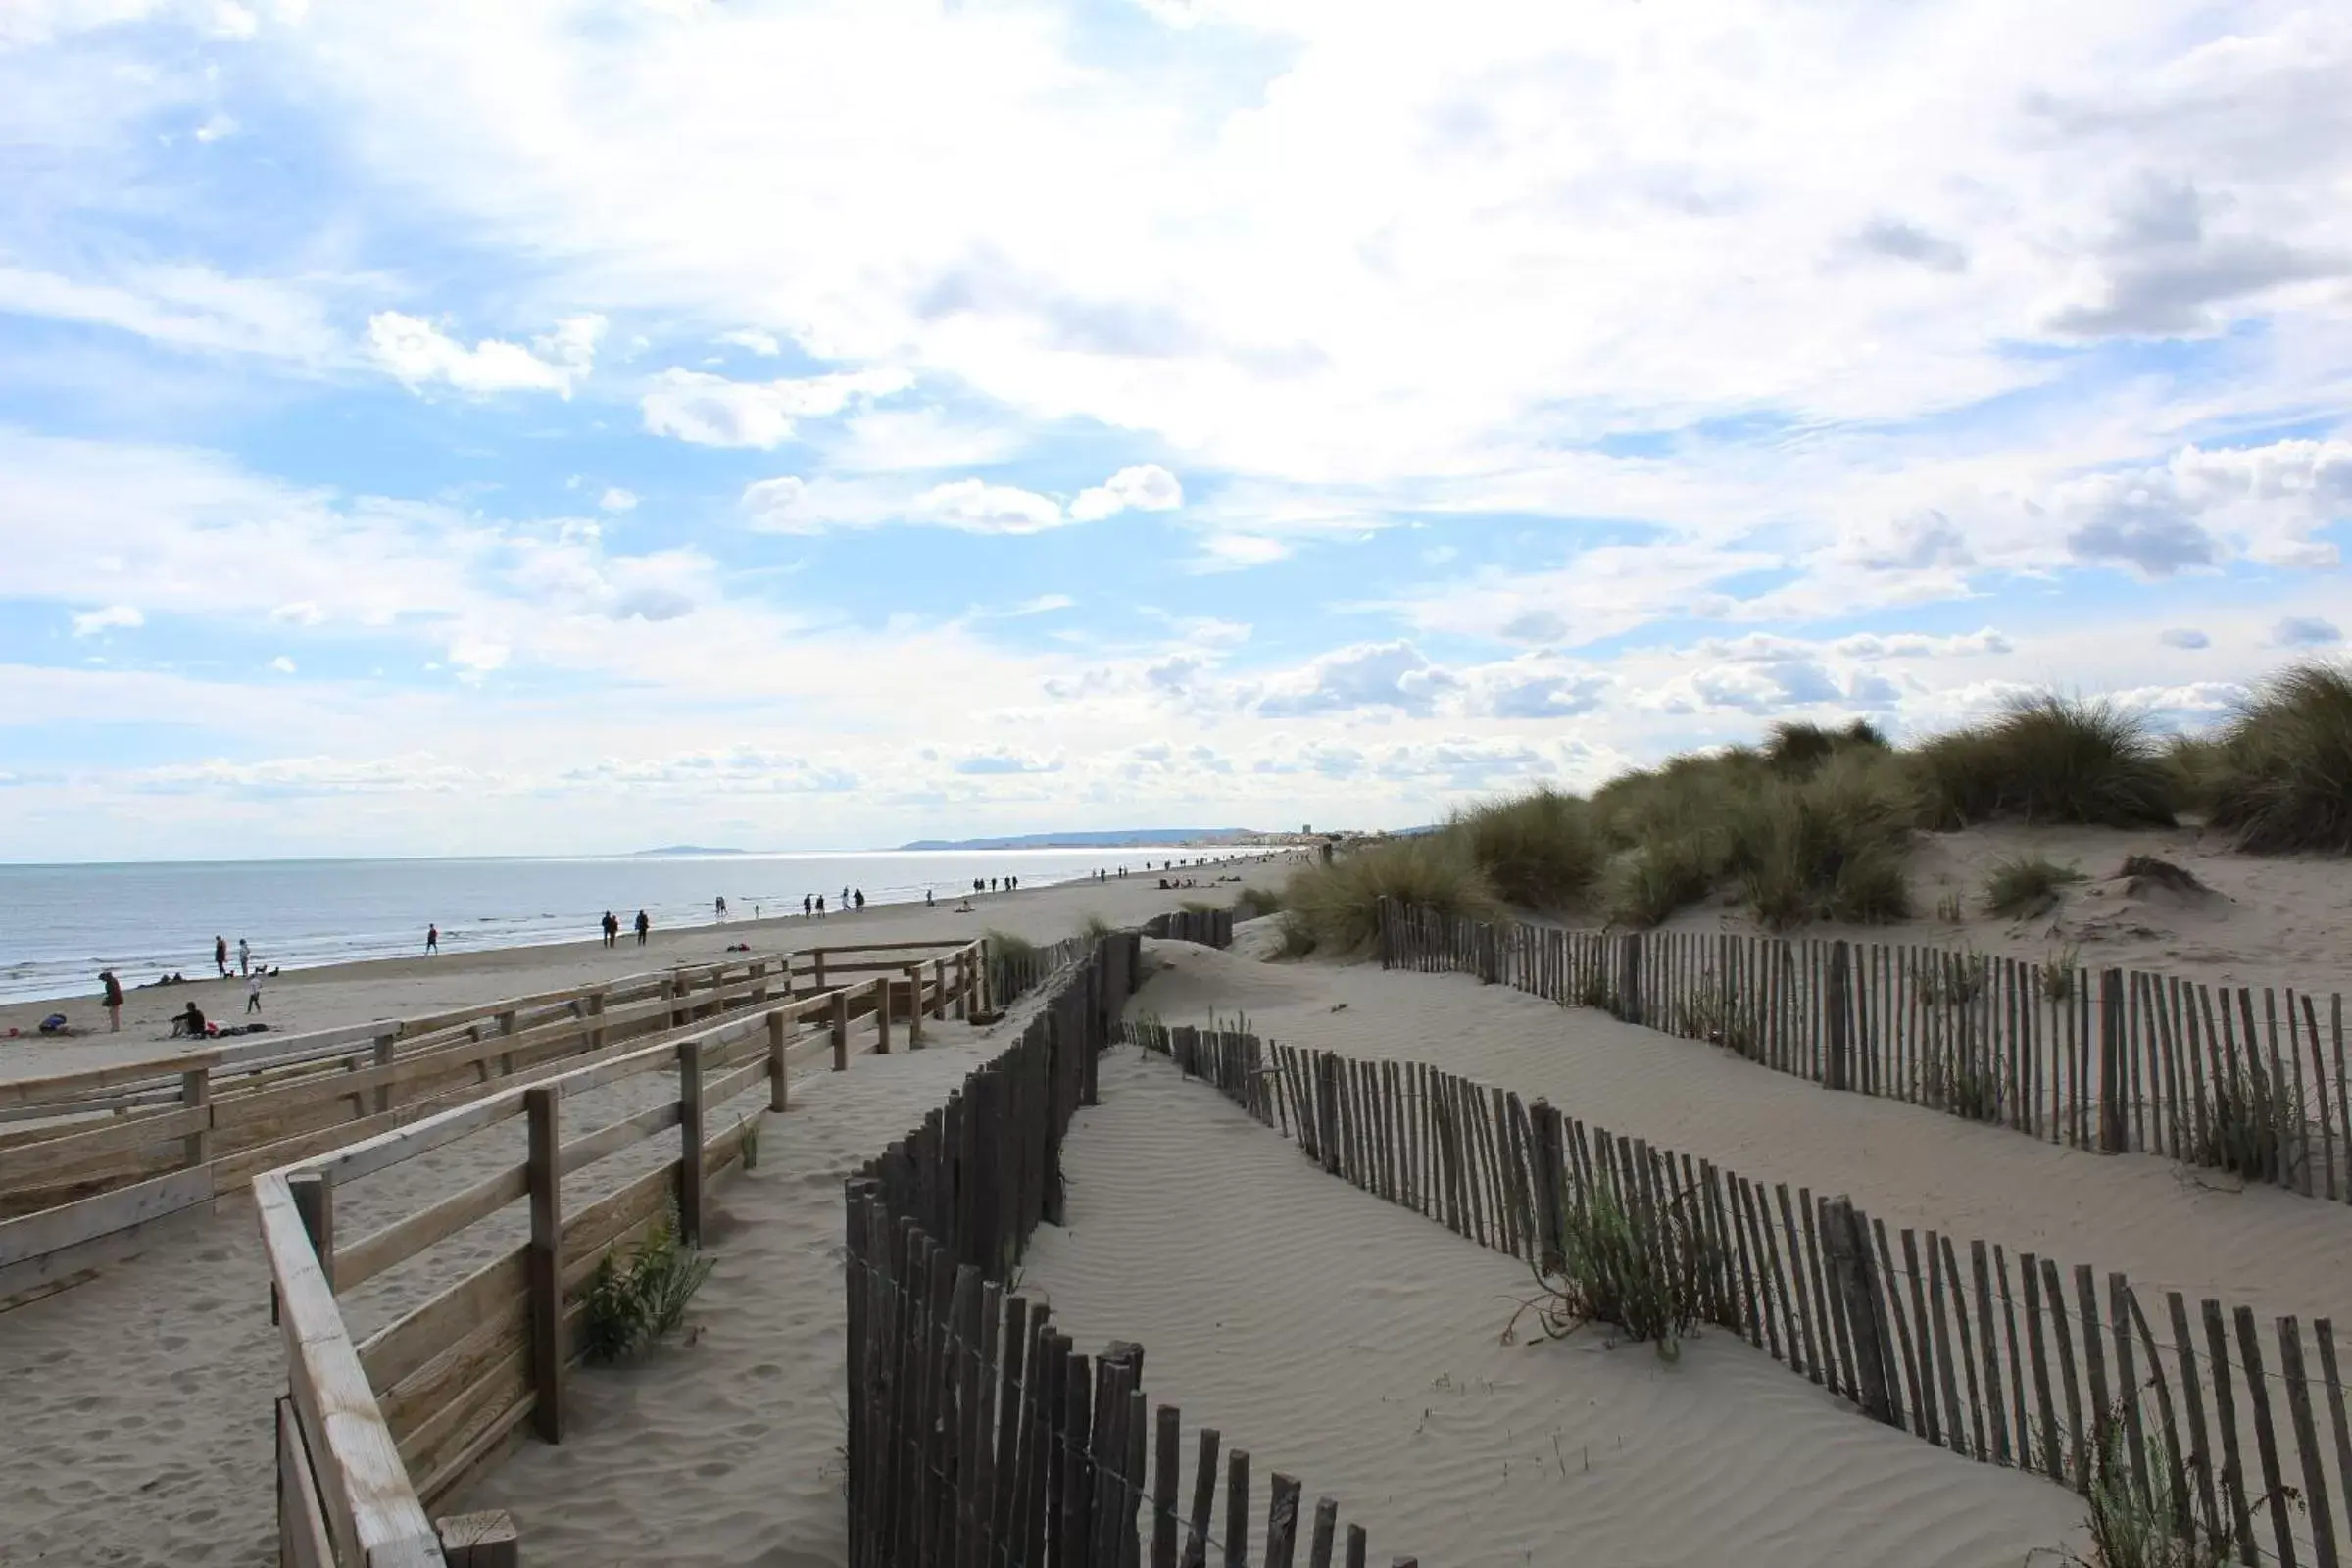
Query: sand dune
[(2269, 920), (2166, 1226), (1355, 1346)]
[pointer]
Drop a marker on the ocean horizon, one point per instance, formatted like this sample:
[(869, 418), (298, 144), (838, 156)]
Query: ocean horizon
[(146, 918)]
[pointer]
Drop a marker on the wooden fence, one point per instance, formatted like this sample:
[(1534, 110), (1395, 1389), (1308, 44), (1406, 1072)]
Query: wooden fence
[(1212, 928), (103, 1160), (377, 1431), (2114, 1060), (978, 1437), (1954, 1342)]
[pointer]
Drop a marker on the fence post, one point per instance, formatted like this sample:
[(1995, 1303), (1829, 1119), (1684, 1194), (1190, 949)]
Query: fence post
[(314, 1194), (1550, 1164), (759, 984), (196, 1094), (690, 1143), (841, 1028), (1845, 1238), (939, 989), (2112, 1073), (779, 1069), (387, 1047), (544, 1271), (1838, 1071), (479, 1539), (1629, 978), (596, 1011), (505, 1059), (840, 1053), (818, 955), (914, 1007)]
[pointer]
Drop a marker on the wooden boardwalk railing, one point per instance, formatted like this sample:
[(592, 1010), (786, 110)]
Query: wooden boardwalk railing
[(1952, 1341), (101, 1161), (378, 1430), (978, 1437), (2113, 1060)]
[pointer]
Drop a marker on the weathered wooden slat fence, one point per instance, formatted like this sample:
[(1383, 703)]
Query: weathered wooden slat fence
[(101, 1161), (1210, 928), (2001, 1358), (2117, 1061), (978, 1437)]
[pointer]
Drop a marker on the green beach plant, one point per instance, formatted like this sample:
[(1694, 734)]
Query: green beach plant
[(2021, 887), (634, 1304), (1641, 1268), (2279, 778), (1340, 904), (1538, 851)]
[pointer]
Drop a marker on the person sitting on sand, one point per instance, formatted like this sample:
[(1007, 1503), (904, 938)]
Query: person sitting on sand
[(965, 907), (190, 1022), (114, 1000)]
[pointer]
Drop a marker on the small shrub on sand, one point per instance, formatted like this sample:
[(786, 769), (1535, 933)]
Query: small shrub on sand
[(2254, 1127), (2056, 973), (2047, 758), (1708, 1014), (1643, 1270), (1297, 937), (1251, 904), (2281, 776), (1339, 903), (1011, 964), (2023, 886), (2144, 871), (633, 1305), (1096, 929), (1963, 1085), (1949, 909), (2140, 1511), (1659, 878), (1798, 750), (1538, 851), (1827, 848)]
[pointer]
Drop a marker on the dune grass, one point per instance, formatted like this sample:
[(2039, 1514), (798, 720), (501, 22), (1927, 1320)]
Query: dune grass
[(1253, 903), (1338, 904), (2023, 886), (2047, 758), (1538, 851), (2278, 779)]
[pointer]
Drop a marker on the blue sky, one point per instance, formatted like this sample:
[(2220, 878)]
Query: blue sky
[(551, 427)]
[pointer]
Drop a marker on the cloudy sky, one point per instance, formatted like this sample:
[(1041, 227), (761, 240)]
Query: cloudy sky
[(447, 427)]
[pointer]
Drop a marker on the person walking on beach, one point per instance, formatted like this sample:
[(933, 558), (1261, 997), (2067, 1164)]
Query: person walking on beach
[(820, 906), (723, 909), (808, 905), (643, 926), (221, 956), (433, 937), (253, 992), (114, 1000), (862, 898), (244, 956), (612, 925)]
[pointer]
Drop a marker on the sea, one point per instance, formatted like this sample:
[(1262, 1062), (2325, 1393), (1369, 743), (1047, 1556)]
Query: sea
[(61, 925)]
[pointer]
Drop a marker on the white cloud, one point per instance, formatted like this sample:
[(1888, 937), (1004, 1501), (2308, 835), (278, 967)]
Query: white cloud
[(616, 499), (1230, 552), (216, 127), (979, 507), (714, 411), (91, 624), (1146, 487), (419, 354), (183, 305), (301, 612), (753, 339), (282, 664)]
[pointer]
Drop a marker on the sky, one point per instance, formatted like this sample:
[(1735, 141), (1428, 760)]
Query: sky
[(567, 428)]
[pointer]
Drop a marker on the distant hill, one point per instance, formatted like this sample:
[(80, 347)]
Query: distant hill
[(1116, 838), (691, 849)]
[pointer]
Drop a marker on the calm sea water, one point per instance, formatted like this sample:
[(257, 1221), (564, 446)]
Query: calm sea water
[(61, 925)]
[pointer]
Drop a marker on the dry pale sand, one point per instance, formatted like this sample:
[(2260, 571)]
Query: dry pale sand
[(2267, 921), (2167, 1225), (139, 1403), (393, 988), (1358, 1346)]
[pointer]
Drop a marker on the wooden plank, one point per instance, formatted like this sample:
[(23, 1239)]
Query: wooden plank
[(368, 1502), (2048, 1439), (2323, 1332), (418, 1334), (303, 1540), (2266, 1437), (544, 1262), (43, 1238), (499, 1336), (2224, 1420), (2307, 1442), (487, 1539), (402, 1240), (2199, 1458), (2063, 1329), (589, 1147)]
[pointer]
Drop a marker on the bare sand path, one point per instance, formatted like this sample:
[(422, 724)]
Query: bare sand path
[(392, 987), (2166, 1226), (1357, 1345)]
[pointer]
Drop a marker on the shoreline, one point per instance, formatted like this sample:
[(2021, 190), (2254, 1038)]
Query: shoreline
[(361, 990)]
